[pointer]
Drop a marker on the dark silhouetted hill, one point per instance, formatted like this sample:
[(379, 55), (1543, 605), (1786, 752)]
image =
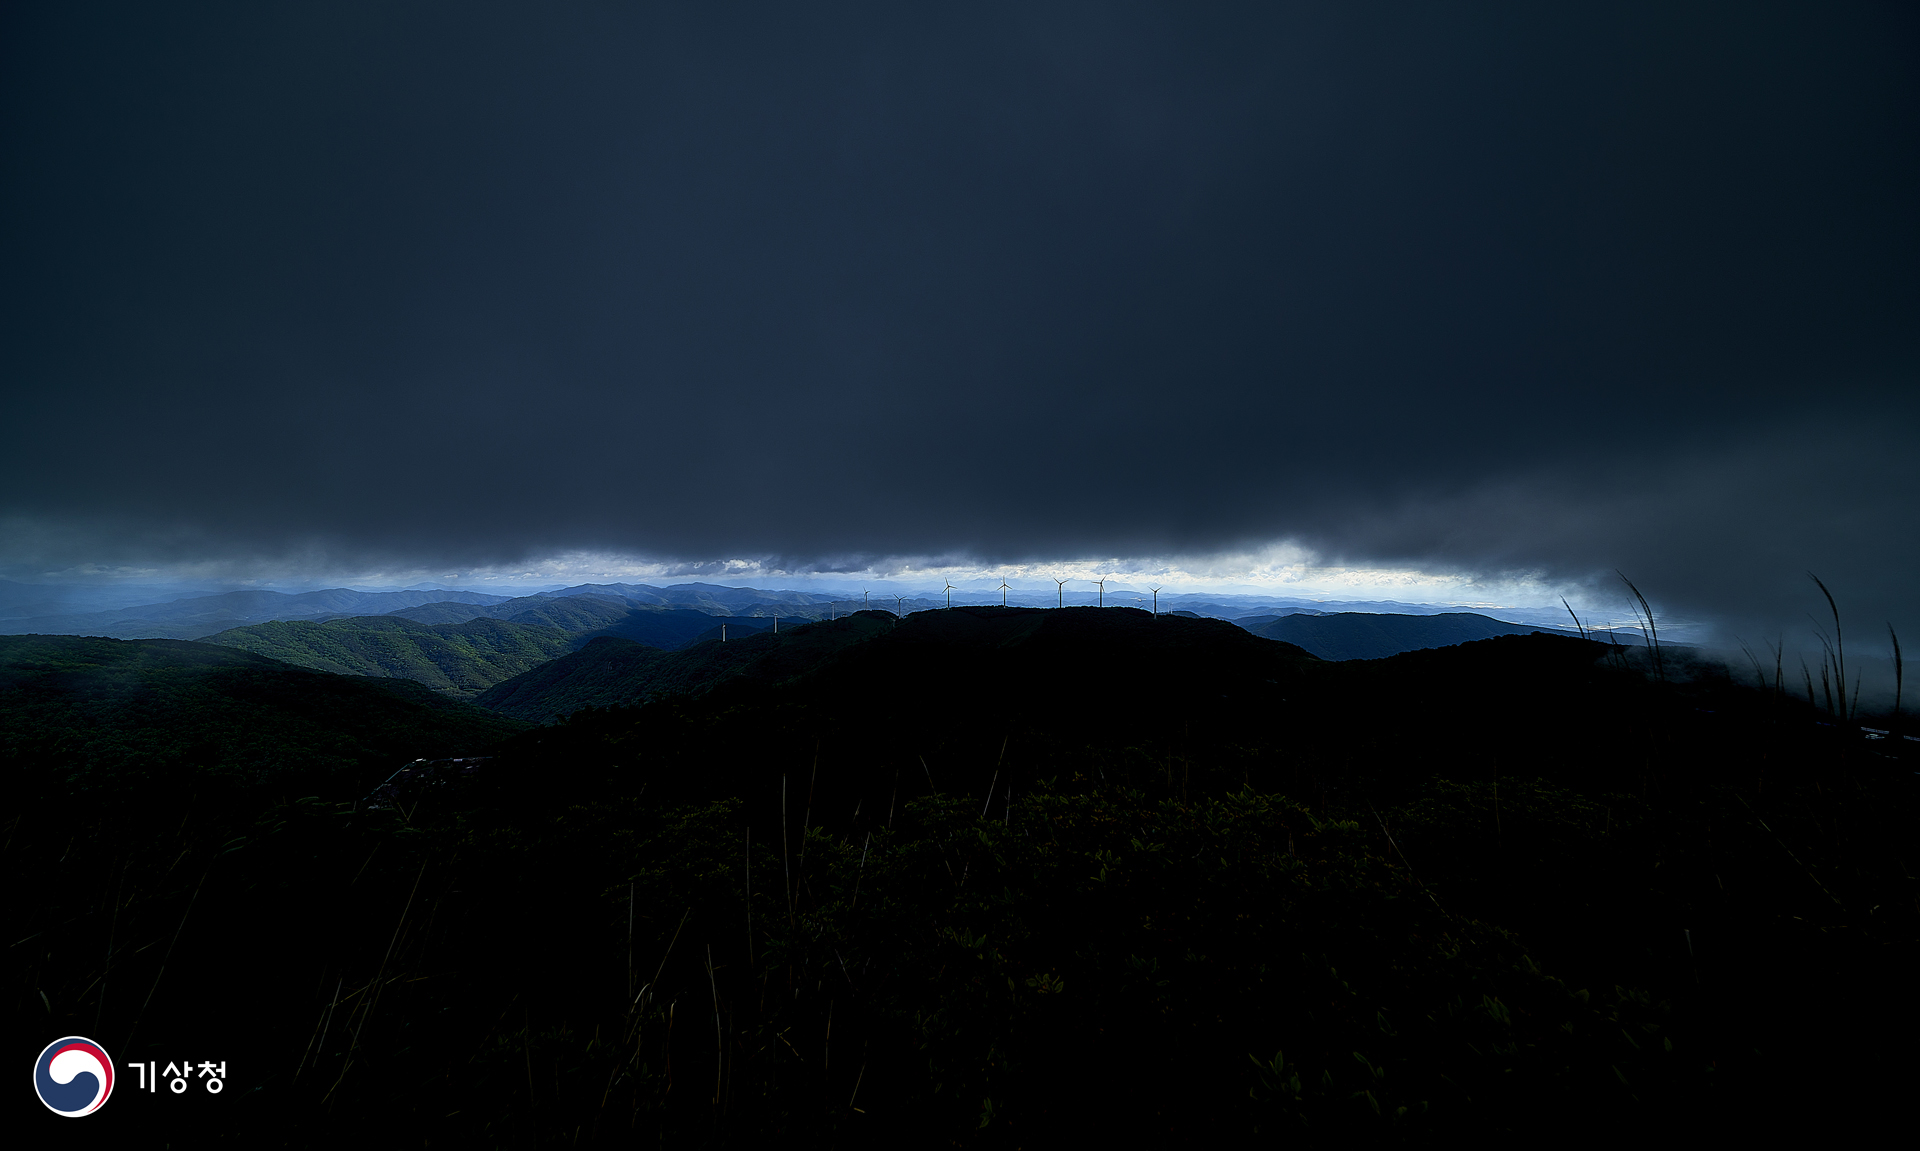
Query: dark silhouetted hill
[(1372, 635), (912, 658), (612, 671), (671, 628), (1016, 871)]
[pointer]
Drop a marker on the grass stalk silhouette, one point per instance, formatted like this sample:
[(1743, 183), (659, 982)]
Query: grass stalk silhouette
[(1899, 672), (1839, 643), (1643, 611), (1578, 626)]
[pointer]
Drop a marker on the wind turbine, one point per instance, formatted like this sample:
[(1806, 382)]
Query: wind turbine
[(901, 611), (1156, 601), (949, 593), (863, 599), (1102, 581), (1060, 591), (1003, 593)]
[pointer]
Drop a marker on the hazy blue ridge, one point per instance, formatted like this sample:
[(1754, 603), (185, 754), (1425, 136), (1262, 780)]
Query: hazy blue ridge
[(205, 615), (573, 613), (29, 599), (715, 598)]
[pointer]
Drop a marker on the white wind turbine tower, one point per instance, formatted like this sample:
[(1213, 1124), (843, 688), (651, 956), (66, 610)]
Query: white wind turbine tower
[(1060, 591), (863, 599), (949, 594), (1156, 602), (1102, 581), (901, 610), (1003, 593)]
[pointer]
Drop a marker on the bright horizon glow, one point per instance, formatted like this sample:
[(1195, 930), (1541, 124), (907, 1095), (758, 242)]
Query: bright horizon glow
[(1282, 571)]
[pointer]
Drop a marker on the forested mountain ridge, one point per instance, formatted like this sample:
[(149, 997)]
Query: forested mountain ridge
[(79, 711), (460, 659), (470, 655)]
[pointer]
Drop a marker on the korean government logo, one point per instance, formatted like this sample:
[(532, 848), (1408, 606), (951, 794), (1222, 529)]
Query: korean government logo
[(73, 1076)]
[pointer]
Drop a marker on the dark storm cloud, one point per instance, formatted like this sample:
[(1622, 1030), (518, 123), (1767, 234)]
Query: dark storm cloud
[(1478, 287)]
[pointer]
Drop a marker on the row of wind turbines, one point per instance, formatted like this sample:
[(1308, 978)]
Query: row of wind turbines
[(1060, 592)]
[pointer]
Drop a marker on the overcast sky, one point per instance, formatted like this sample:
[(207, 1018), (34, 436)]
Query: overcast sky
[(1480, 289)]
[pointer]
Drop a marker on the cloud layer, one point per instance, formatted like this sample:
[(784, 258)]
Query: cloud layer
[(1479, 291)]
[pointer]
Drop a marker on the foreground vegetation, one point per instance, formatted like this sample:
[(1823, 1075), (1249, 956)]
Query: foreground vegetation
[(1515, 885)]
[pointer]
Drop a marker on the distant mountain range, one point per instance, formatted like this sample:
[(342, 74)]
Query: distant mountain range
[(608, 671), (198, 617), (20, 600), (204, 615), (469, 643)]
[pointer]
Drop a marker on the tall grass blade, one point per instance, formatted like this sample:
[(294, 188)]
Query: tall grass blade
[(719, 1038), (163, 959), (1759, 673), (1645, 612), (1577, 625), (1839, 640), (806, 817), (1899, 672)]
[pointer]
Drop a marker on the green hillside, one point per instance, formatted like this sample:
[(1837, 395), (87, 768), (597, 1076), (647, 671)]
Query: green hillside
[(465, 649), (80, 711), (575, 613), (461, 659)]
